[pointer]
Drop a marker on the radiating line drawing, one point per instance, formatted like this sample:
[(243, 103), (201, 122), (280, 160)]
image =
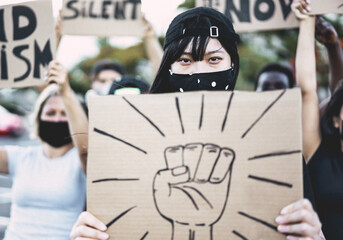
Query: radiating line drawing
[(144, 236), (273, 154), (201, 111), (119, 216), (263, 113), (193, 188), (115, 179), (179, 113), (196, 181), (118, 139), (271, 181), (239, 235), (144, 116), (259, 221), (227, 111)]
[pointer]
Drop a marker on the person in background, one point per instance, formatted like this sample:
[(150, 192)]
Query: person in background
[(129, 85), (200, 53), (322, 136), (274, 76), (49, 182)]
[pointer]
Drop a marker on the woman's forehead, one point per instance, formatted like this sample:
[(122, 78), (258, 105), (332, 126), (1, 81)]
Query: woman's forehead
[(213, 45)]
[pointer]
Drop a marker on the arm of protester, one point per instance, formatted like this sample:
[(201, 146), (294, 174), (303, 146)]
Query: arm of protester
[(58, 29), (152, 46), (305, 66), (327, 35), (3, 161), (78, 122), (299, 221), (88, 227)]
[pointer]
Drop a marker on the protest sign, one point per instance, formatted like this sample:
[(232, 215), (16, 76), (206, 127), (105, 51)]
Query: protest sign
[(211, 165), (27, 42), (104, 18), (255, 15), (330, 6)]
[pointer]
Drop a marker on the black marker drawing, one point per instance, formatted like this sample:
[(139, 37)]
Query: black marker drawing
[(144, 236), (227, 111), (179, 113), (259, 221), (273, 154), (341, 5), (263, 113), (119, 216), (143, 115), (185, 191), (239, 235), (201, 111), (271, 181), (118, 139), (115, 179)]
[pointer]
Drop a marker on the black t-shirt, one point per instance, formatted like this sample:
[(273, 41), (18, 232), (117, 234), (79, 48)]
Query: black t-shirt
[(326, 173), (308, 192)]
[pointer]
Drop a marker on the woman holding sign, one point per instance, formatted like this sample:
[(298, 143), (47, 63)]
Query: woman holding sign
[(200, 53), (49, 182), (322, 136)]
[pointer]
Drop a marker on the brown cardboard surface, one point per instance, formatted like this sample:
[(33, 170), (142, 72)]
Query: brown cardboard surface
[(21, 61), (102, 18), (329, 6), (255, 15), (242, 151)]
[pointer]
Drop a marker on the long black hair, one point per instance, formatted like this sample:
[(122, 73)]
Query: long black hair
[(330, 134), (195, 26)]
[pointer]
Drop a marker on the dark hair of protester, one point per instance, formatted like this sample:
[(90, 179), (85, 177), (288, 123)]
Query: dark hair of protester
[(198, 24), (129, 81), (331, 135), (107, 64), (276, 67)]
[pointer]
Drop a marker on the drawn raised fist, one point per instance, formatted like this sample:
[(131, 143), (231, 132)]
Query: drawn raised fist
[(192, 191)]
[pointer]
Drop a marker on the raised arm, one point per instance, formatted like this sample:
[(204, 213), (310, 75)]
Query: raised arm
[(152, 46), (77, 119), (327, 35), (306, 76)]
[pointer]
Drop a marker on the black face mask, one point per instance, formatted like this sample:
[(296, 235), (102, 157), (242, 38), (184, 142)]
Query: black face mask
[(55, 134), (223, 80)]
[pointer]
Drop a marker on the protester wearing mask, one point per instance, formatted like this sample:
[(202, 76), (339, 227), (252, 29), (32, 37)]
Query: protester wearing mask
[(200, 53), (49, 182)]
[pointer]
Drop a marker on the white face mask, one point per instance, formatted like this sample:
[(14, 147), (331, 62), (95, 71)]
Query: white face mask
[(102, 88)]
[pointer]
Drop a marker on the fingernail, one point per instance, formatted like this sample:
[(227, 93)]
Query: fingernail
[(103, 228), (282, 228), (179, 171), (104, 235), (279, 219), (283, 211)]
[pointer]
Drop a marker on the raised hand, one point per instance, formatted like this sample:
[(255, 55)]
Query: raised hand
[(192, 191), (325, 32)]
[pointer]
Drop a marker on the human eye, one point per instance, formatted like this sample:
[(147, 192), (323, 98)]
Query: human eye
[(215, 60), (50, 113), (184, 60)]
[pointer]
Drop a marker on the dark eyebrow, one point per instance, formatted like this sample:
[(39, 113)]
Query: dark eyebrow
[(219, 50)]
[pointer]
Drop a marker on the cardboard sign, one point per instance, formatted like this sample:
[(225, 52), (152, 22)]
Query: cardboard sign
[(255, 15), (104, 18), (330, 6), (27, 43), (210, 165)]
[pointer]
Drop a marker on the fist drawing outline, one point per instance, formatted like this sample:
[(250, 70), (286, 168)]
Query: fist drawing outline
[(192, 192)]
